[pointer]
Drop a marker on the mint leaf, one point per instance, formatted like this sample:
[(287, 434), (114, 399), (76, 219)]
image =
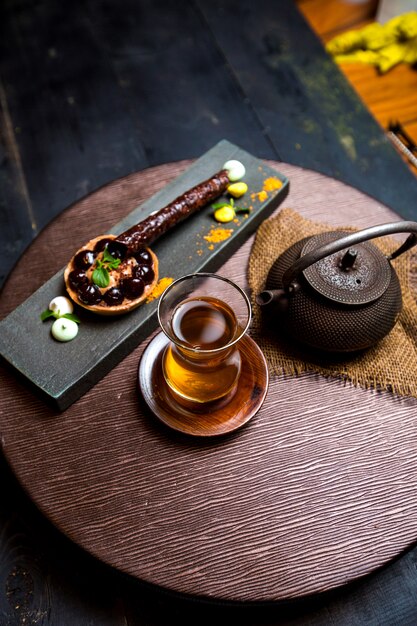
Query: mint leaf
[(114, 264), (71, 316), (219, 205), (107, 257), (101, 277), (46, 314), (110, 261)]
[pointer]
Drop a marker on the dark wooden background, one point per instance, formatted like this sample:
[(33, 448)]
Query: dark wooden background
[(96, 90)]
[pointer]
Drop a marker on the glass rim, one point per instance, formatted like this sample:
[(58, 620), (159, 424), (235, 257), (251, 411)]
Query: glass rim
[(206, 275)]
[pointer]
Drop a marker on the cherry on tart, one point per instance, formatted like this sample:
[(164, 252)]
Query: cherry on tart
[(125, 289)]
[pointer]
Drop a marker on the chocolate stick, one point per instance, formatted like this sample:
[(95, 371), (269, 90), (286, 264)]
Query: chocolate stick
[(156, 224)]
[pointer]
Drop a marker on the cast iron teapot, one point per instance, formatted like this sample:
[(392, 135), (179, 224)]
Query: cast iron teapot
[(336, 291)]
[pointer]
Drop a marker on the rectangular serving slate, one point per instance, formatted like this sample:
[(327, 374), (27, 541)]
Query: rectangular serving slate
[(63, 372)]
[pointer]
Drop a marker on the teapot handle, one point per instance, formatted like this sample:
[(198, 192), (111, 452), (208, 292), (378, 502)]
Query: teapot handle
[(289, 277)]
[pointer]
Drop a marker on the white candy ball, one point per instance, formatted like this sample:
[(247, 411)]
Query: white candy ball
[(64, 330), (236, 170), (61, 305)]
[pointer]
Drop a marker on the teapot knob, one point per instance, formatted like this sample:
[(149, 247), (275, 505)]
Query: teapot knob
[(348, 259), (313, 256)]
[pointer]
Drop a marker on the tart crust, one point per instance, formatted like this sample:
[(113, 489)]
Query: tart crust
[(116, 309)]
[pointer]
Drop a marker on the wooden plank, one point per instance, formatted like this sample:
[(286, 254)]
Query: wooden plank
[(75, 130), (331, 16), (312, 115), (180, 90), (390, 96), (66, 110), (18, 224)]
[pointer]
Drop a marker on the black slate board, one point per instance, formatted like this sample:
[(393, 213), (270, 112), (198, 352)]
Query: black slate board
[(63, 372)]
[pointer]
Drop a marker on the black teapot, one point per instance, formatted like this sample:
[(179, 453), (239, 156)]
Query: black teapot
[(336, 291)]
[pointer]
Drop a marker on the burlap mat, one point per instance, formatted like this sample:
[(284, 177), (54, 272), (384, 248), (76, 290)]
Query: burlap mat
[(389, 365)]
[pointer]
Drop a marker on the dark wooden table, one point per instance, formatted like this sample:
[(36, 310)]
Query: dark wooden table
[(92, 92)]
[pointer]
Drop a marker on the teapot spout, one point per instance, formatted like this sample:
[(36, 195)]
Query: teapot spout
[(274, 298)]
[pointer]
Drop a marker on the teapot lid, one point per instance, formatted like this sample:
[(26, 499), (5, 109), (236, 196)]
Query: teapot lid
[(356, 275)]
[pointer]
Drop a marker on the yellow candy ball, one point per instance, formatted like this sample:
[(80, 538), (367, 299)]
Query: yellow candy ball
[(225, 214), (237, 189)]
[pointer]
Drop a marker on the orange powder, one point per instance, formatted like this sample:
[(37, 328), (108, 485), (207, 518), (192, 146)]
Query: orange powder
[(159, 288), (261, 195), (218, 234), (270, 184)]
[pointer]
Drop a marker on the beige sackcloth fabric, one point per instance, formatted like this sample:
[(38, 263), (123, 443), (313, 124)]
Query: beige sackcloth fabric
[(390, 365)]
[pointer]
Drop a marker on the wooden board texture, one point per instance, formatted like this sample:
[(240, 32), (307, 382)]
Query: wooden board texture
[(94, 91), (63, 372), (317, 490)]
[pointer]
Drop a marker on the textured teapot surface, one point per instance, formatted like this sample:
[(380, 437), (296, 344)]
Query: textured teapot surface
[(330, 310)]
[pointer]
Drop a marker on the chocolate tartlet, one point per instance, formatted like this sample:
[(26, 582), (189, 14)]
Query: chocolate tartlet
[(130, 283)]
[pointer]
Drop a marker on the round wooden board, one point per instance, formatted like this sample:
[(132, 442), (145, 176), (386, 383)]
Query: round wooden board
[(319, 489), (215, 419)]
